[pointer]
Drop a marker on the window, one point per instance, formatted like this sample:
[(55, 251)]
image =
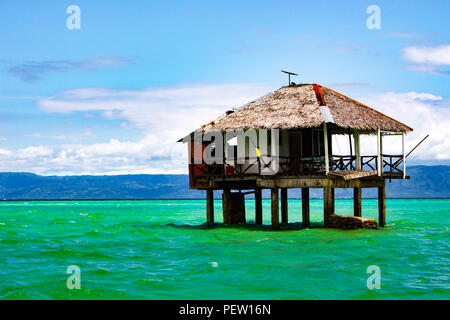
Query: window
[(318, 143)]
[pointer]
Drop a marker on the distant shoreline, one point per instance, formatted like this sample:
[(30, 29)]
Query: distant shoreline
[(428, 182)]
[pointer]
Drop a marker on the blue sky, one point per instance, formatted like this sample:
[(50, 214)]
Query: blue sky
[(112, 96)]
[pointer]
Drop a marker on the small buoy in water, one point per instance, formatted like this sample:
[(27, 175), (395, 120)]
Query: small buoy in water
[(214, 264)]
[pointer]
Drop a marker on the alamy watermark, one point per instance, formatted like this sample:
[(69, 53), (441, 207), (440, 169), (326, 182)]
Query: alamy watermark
[(74, 280), (74, 20), (374, 280), (373, 22), (248, 148)]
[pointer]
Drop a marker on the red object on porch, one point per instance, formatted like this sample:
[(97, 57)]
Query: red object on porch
[(229, 170)]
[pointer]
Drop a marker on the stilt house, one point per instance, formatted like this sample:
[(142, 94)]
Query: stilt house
[(304, 119)]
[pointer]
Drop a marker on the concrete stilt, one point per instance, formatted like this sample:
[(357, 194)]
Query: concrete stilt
[(382, 206), (226, 206), (210, 206), (327, 205), (305, 207), (332, 200), (258, 206), (284, 206), (274, 205), (357, 202)]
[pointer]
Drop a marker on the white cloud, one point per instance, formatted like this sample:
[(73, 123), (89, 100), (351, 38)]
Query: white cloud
[(438, 55), (428, 59), (73, 137), (163, 114), (166, 114), (426, 114), (2, 138)]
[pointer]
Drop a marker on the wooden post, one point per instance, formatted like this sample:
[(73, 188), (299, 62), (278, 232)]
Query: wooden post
[(357, 150), (381, 151), (357, 202), (210, 206), (325, 141), (403, 155), (379, 163), (305, 207), (382, 206), (284, 206), (275, 213), (327, 204), (226, 206), (258, 206)]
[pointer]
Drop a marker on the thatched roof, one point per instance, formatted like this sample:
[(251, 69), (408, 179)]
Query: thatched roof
[(299, 106)]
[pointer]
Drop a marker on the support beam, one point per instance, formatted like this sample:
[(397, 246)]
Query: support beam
[(378, 152), (403, 155), (382, 206), (210, 206), (381, 151), (357, 149), (350, 143), (379, 163), (325, 141), (274, 205), (258, 206), (284, 206), (327, 205), (305, 207), (357, 202)]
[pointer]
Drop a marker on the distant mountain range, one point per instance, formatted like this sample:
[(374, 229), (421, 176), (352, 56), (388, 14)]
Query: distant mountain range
[(425, 182)]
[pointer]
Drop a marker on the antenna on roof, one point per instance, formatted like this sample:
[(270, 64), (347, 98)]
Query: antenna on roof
[(289, 76)]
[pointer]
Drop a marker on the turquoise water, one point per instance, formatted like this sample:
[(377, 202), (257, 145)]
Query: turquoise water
[(160, 250)]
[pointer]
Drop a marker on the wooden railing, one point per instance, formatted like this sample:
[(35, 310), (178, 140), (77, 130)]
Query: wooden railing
[(392, 165), (261, 166), (369, 163), (342, 163)]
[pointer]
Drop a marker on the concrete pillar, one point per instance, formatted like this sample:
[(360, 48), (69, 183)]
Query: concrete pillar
[(233, 207), (357, 202), (382, 206), (258, 206), (305, 207), (284, 206), (210, 206), (274, 205)]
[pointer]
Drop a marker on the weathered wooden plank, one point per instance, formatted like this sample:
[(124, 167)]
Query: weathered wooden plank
[(353, 174), (369, 182)]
